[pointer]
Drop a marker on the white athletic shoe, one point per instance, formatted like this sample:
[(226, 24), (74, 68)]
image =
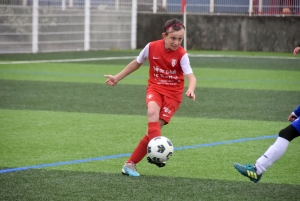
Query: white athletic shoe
[(129, 169)]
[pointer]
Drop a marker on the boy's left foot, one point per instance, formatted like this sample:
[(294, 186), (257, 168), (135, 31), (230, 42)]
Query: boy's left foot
[(248, 170), (129, 169)]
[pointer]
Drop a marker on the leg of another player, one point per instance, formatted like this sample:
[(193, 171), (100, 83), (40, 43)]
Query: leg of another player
[(274, 152)]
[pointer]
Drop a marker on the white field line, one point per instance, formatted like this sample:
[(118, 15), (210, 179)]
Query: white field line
[(240, 56), (133, 57), (67, 60)]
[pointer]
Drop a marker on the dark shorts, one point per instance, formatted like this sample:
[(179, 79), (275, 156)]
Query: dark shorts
[(296, 124)]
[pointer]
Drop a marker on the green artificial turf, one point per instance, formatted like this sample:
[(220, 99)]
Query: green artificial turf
[(65, 134)]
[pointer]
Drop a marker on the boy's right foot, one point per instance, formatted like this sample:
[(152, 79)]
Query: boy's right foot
[(157, 164), (129, 169), (248, 170)]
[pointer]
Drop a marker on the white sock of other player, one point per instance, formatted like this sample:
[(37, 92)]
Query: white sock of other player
[(274, 152)]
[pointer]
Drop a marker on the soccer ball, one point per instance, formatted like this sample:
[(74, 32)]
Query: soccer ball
[(160, 149)]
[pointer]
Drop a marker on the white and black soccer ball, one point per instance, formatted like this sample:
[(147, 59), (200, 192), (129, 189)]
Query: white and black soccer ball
[(160, 149)]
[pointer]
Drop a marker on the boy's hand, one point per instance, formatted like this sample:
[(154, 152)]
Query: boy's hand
[(292, 117), (296, 50), (191, 94), (111, 80)]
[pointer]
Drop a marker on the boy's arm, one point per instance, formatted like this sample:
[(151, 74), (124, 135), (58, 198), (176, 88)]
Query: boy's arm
[(191, 87), (112, 80)]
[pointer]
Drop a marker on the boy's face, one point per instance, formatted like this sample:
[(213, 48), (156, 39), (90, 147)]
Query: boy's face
[(173, 39)]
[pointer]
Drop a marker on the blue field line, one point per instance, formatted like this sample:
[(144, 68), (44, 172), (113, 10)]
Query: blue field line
[(225, 142), (127, 155)]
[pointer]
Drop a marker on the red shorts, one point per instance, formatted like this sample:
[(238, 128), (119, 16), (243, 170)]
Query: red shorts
[(168, 106)]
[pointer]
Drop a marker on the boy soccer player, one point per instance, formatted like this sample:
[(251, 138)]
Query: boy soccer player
[(169, 63)]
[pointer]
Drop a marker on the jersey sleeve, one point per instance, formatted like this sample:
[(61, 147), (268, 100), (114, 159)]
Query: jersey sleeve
[(143, 56), (185, 64)]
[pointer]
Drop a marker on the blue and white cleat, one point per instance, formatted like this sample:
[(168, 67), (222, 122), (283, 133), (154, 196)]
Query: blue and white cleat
[(248, 170), (129, 169)]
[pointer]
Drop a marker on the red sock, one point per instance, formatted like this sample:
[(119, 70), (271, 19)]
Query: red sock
[(153, 130), (140, 151)]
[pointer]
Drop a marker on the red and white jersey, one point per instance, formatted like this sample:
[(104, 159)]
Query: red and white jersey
[(167, 68)]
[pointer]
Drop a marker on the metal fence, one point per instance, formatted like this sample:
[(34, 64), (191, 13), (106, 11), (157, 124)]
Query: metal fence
[(225, 7), (47, 26), (68, 25)]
